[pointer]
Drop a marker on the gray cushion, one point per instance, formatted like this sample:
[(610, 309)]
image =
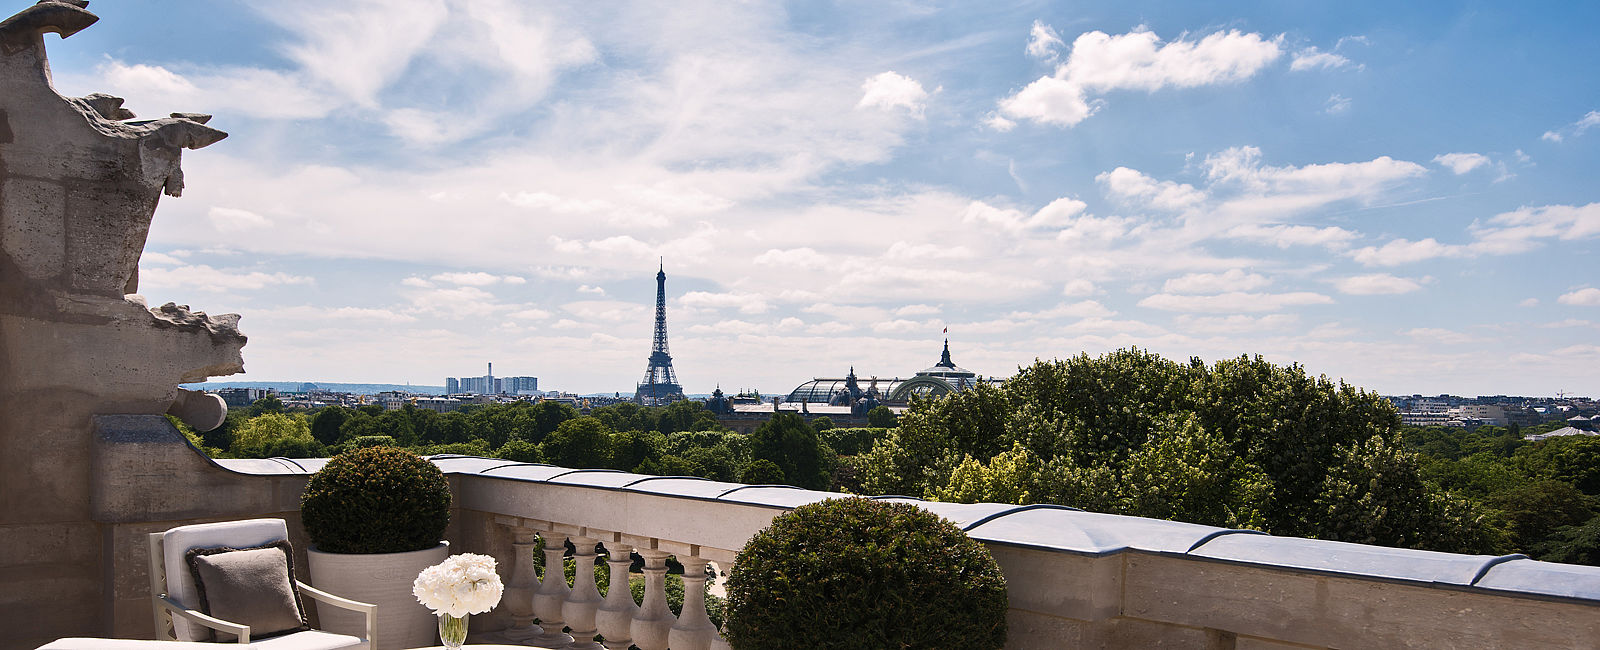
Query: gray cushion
[(253, 587)]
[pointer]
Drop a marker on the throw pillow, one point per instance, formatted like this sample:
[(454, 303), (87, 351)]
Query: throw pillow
[(250, 586)]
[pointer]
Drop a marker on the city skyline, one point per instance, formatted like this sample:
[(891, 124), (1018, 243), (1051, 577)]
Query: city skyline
[(1400, 197)]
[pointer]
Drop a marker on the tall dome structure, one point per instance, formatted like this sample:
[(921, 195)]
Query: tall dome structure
[(941, 378)]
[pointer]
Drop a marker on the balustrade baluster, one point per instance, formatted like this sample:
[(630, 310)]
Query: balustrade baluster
[(719, 642), (524, 581), (615, 618), (584, 600), (693, 630), (654, 621), (552, 595)]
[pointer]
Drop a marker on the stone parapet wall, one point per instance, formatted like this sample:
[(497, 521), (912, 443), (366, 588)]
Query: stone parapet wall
[(1075, 579)]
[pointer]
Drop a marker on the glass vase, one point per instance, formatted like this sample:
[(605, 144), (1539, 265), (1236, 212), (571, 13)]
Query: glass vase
[(452, 631)]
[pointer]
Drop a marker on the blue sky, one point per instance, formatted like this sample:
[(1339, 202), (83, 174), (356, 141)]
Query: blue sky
[(1403, 197)]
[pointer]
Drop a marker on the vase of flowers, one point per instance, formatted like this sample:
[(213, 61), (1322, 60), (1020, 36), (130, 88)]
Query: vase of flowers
[(459, 586)]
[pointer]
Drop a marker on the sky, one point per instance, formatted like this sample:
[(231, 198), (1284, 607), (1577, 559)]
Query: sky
[(1402, 196)]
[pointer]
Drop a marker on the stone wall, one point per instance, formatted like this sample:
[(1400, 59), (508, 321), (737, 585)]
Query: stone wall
[(79, 184)]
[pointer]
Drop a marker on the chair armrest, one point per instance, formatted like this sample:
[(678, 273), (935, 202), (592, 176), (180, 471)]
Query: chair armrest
[(345, 603), (198, 618), (325, 597)]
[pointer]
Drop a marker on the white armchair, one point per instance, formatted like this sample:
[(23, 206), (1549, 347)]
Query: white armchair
[(176, 599)]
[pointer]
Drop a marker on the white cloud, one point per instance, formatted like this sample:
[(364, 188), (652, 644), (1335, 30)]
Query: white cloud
[(416, 282), (892, 90), (1082, 309), (150, 257), (319, 316), (584, 288), (805, 258), (1060, 214), (916, 310), (1529, 302), (745, 302), (1588, 121), (1134, 186), (1235, 324), (475, 279), (1336, 104), (205, 278), (1507, 233), (456, 303), (1043, 42), (1311, 58), (1403, 251), (1586, 297), (1265, 190), (1137, 60), (733, 326), (1232, 280), (235, 219), (1282, 236), (1234, 302), (1078, 287), (557, 204), (529, 314), (1461, 163), (1438, 335), (1048, 100), (908, 251), (1376, 284)]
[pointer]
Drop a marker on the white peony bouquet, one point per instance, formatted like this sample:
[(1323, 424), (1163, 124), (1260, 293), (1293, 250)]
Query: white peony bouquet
[(461, 585)]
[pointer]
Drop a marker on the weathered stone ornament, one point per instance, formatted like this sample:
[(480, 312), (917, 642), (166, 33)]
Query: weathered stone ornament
[(79, 183)]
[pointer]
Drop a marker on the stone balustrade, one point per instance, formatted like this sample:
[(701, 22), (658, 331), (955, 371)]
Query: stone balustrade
[(1074, 579)]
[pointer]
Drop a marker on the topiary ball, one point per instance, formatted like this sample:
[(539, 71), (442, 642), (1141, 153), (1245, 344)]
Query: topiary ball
[(868, 574), (376, 500)]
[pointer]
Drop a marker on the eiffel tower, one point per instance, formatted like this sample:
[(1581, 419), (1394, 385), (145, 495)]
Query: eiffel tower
[(660, 385)]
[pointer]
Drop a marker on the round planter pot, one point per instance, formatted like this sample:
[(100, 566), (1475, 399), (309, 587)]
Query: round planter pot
[(383, 579)]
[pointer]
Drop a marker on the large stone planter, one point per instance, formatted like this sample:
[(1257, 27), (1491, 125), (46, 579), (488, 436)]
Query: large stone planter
[(383, 579)]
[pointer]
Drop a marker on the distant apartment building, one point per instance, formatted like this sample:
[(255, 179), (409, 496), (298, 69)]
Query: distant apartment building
[(1488, 414), (1424, 418), (241, 397), (491, 385), (438, 404), (520, 385), (393, 400)]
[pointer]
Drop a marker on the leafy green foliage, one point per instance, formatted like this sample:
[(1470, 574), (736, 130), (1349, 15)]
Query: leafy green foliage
[(1239, 443), (268, 404), (376, 500), (863, 573), (762, 472), (325, 424), (882, 417), (276, 434), (584, 443), (790, 443), (851, 441)]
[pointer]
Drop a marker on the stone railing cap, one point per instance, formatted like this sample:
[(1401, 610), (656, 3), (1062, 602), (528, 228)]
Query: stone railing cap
[(1089, 532), (1345, 557), (777, 495), (1548, 578)]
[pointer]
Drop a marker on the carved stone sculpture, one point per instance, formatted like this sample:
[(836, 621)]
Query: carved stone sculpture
[(86, 367), (79, 182)]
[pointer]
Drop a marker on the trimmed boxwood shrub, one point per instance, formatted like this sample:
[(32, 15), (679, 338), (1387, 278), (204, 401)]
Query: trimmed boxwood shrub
[(376, 500), (861, 573)]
